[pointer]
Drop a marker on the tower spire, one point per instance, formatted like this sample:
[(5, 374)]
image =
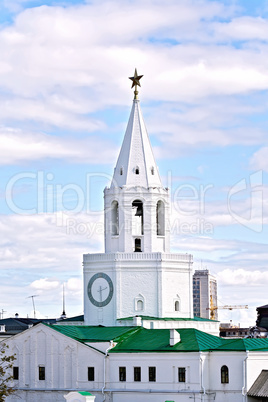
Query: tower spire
[(136, 204), (63, 315), (136, 82), (136, 164)]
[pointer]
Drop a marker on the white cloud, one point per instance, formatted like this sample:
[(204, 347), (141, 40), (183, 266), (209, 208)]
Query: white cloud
[(56, 111), (59, 240), (242, 277), (54, 69), (74, 52), (74, 284), (44, 284), (44, 243), (244, 317), (244, 28), (17, 146), (259, 159), (194, 211), (211, 122), (14, 5)]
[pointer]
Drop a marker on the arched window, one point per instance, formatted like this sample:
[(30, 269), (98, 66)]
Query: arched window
[(137, 218), (152, 170), (115, 219), (224, 375), (177, 305), (139, 302), (160, 218), (121, 171), (137, 170)]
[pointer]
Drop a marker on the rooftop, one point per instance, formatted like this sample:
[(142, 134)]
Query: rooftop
[(72, 319), (85, 333), (139, 339), (260, 386), (16, 325)]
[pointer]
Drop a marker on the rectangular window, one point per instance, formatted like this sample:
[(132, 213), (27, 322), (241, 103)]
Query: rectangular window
[(152, 373), (122, 374), (137, 373), (42, 373), (15, 372), (90, 374), (181, 374)]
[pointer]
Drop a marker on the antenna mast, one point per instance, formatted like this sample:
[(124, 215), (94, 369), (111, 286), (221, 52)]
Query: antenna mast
[(32, 297)]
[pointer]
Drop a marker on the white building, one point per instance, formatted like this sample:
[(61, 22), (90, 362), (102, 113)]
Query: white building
[(132, 364), (140, 341)]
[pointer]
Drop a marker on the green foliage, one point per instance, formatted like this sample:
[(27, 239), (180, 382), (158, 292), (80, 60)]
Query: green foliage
[(6, 365)]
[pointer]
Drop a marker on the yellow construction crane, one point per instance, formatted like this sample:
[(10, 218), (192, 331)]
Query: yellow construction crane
[(213, 308)]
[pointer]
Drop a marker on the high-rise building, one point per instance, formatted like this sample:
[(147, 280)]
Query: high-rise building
[(204, 294)]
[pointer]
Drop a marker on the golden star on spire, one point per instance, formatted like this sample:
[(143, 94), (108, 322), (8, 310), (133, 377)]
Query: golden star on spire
[(135, 82)]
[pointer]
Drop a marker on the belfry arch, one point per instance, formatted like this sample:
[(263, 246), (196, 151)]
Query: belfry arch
[(115, 218), (137, 218), (160, 218)]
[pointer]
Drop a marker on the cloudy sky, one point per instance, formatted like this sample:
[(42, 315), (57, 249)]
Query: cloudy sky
[(65, 101)]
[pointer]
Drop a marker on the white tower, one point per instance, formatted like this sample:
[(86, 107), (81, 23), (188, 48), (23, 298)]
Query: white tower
[(137, 275)]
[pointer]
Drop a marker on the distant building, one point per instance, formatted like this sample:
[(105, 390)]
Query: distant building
[(77, 320), (228, 330), (262, 316), (204, 294), (12, 326)]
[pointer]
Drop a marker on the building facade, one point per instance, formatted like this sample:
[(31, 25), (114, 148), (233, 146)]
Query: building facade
[(205, 294), (119, 364)]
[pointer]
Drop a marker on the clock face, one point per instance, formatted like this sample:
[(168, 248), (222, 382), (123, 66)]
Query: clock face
[(100, 289)]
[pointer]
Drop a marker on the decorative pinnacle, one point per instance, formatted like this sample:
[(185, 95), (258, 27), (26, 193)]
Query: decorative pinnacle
[(135, 82)]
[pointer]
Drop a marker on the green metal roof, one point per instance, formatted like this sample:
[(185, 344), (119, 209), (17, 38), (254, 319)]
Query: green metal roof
[(84, 393), (139, 339), (157, 340), (251, 344), (148, 318), (84, 333), (192, 340)]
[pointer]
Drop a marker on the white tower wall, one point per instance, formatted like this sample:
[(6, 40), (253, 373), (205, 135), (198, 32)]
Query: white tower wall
[(148, 284), (137, 275)]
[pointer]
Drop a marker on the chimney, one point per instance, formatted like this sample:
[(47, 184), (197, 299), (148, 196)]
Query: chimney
[(137, 321), (174, 337)]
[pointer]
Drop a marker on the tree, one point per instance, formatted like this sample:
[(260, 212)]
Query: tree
[(6, 365)]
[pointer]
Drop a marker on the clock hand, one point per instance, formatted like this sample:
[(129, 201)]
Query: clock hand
[(100, 291)]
